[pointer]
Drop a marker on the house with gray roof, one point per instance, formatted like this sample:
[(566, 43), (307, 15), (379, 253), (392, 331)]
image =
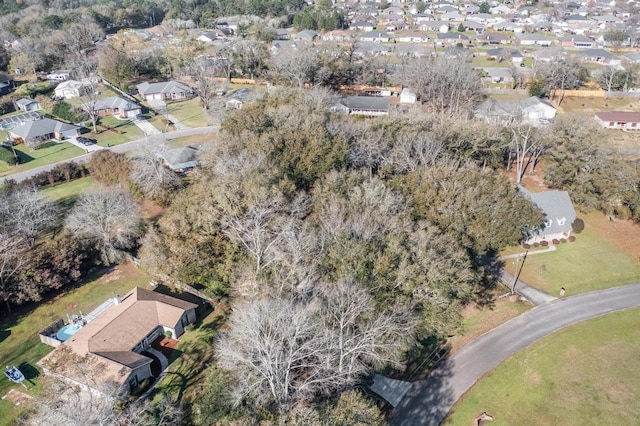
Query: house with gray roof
[(115, 106), (305, 35), (601, 56), (559, 216), (164, 90), (37, 132), (27, 104), (533, 111), (362, 105), (181, 160)]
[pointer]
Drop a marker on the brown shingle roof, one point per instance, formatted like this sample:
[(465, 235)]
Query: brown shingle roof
[(619, 116)]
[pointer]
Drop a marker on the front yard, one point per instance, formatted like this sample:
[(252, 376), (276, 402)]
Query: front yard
[(19, 341), (114, 132), (190, 113), (585, 374), (606, 254), (40, 157)]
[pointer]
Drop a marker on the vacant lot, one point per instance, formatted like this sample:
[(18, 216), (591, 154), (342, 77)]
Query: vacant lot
[(40, 157), (190, 113), (604, 255), (585, 374), (19, 341)]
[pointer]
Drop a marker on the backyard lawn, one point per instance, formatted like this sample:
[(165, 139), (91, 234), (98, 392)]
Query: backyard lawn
[(585, 374), (601, 257), (19, 341), (40, 157), (190, 113)]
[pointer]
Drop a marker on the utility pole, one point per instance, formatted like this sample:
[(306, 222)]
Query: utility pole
[(519, 266)]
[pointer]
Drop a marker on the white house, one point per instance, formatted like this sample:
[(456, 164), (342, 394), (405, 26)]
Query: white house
[(72, 89), (58, 75), (28, 105), (408, 96), (533, 111)]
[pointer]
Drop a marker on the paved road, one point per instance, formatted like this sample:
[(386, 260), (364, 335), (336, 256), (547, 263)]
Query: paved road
[(428, 401), (118, 148)]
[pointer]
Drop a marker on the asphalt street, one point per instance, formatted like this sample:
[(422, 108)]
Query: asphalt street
[(118, 148), (428, 401)]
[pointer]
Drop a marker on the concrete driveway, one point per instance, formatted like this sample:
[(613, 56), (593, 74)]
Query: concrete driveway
[(86, 148), (161, 108), (147, 128), (428, 401)]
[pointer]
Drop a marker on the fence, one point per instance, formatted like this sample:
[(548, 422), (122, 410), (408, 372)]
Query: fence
[(46, 335)]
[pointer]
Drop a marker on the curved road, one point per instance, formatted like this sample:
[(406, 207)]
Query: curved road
[(128, 146), (428, 401)]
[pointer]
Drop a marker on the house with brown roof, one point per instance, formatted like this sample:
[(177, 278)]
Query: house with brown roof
[(120, 340), (618, 120)]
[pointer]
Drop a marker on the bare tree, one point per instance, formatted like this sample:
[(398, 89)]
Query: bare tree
[(561, 75), (86, 74), (413, 150), (24, 216), (205, 84), (108, 218), (296, 64), (523, 146), (151, 176)]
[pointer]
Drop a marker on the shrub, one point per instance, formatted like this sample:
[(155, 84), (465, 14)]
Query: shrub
[(544, 243), (536, 245), (572, 239), (526, 246), (109, 167), (556, 242), (563, 240), (577, 226), (168, 334)]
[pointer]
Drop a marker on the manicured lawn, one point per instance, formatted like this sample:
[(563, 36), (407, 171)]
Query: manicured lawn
[(585, 374), (118, 132), (482, 61), (190, 113), (191, 140), (19, 341), (590, 263), (66, 193), (32, 159), (160, 123)]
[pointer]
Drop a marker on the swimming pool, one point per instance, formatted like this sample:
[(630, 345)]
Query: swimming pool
[(67, 331)]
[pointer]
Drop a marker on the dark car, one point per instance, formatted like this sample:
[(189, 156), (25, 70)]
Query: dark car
[(85, 141)]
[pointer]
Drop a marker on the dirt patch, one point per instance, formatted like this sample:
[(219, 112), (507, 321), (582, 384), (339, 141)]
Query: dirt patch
[(623, 233), (590, 106), (16, 397)]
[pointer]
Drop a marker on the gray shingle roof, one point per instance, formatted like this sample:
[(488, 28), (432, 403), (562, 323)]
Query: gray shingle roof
[(114, 102), (162, 87), (181, 158), (371, 103), (557, 208), (44, 126)]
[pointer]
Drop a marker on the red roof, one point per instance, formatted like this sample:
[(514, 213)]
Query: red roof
[(619, 116)]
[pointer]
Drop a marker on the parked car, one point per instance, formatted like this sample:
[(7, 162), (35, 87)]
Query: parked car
[(86, 141)]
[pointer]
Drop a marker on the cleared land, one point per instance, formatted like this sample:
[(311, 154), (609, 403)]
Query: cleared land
[(190, 113), (595, 261), (19, 341), (585, 374)]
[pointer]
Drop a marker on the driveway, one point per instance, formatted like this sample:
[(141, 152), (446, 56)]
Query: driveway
[(86, 148), (161, 108), (147, 128), (122, 148), (428, 401)]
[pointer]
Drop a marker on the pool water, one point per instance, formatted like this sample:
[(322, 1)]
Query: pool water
[(67, 331)]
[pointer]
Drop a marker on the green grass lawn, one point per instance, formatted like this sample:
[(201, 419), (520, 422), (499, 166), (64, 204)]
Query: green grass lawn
[(590, 263), (190, 113), (160, 123), (32, 159), (66, 193), (19, 341), (585, 374), (122, 131), (194, 353)]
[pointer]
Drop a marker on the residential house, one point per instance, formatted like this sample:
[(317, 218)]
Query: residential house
[(493, 38), (28, 105), (375, 37), (498, 74), (618, 120), (123, 340), (501, 10), (237, 99), (115, 106), (72, 89), (411, 37), (503, 54), (338, 35), (36, 132), (470, 25), (439, 26), (61, 75), (362, 26), (363, 50), (600, 56), (413, 50), (533, 40), (207, 37), (452, 17), (421, 18), (408, 96), (508, 26), (577, 41), (164, 90), (548, 55), (452, 38), (362, 105), (559, 216), (181, 160), (305, 36), (532, 110), (283, 33), (579, 24)]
